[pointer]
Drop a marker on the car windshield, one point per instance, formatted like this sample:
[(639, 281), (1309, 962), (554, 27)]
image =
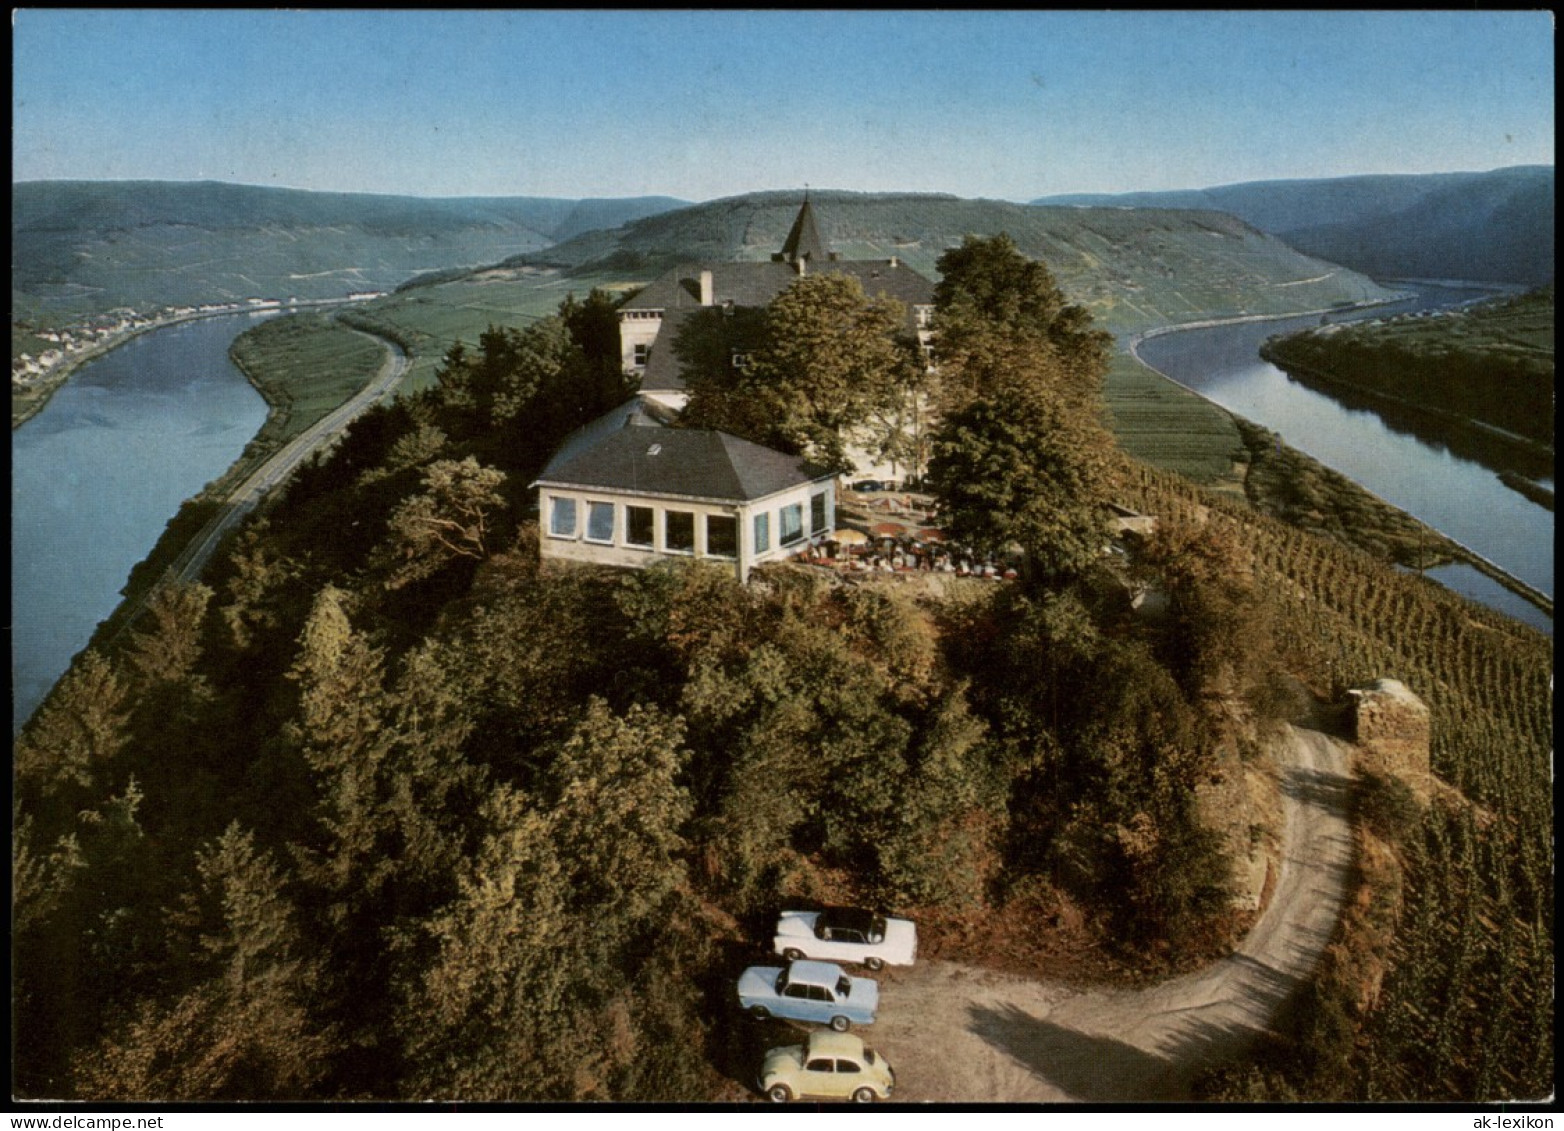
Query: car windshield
[(781, 981), (868, 1056), (843, 986)]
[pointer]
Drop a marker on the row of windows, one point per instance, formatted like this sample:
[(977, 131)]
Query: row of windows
[(722, 531)]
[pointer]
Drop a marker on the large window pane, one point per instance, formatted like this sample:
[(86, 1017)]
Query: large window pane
[(817, 514), (791, 523), (722, 536), (638, 526), (679, 532), (600, 522), (762, 532), (562, 518)]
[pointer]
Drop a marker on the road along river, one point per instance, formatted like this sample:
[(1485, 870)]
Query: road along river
[(1460, 497), (99, 472)]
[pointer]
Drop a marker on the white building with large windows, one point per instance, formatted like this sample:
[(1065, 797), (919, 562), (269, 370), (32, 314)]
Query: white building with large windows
[(627, 491)]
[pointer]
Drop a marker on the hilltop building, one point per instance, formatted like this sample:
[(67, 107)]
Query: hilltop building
[(626, 490), (651, 319)]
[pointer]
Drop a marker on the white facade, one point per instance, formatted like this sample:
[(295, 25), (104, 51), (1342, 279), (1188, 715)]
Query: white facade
[(619, 528), (638, 329)]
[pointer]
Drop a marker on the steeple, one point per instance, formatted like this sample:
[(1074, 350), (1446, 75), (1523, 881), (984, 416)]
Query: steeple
[(804, 242)]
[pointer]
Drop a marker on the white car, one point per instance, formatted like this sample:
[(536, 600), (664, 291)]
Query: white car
[(847, 934)]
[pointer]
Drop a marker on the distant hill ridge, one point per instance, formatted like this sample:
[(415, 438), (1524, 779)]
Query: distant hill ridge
[(1133, 269), (80, 246), (1494, 226)]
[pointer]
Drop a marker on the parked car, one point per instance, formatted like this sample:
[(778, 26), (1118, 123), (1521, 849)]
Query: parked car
[(809, 991), (847, 934), (827, 1066), (869, 485)]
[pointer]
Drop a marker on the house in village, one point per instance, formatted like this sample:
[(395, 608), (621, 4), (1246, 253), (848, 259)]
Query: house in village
[(629, 490)]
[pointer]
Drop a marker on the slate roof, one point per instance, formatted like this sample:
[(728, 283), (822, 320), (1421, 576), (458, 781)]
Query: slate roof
[(752, 284), (648, 459), (756, 284), (804, 241), (638, 411)]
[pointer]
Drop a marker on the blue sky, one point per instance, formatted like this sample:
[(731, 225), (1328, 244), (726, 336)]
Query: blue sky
[(1004, 104)]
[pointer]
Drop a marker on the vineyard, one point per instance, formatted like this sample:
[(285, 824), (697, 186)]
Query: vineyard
[(1465, 1011)]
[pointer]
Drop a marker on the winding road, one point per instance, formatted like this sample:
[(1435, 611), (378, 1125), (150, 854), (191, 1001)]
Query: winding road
[(961, 1034), (243, 498)]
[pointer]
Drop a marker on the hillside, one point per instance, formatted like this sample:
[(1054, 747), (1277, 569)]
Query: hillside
[(1496, 226), (1132, 269), (82, 247)]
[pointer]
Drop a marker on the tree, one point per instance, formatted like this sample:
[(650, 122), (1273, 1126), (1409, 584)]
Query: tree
[(950, 816), (825, 368), (618, 814), (1219, 637), (167, 652), (1017, 465), (77, 732), (594, 327), (987, 282), (829, 363), (448, 520), (341, 733), (242, 1031)]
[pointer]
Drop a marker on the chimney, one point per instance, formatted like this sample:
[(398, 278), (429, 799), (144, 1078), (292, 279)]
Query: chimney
[(706, 288), (895, 262), (801, 265)]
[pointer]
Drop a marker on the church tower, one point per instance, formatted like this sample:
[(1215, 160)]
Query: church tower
[(804, 243)]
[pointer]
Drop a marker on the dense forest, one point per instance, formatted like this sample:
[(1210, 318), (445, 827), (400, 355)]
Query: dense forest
[(381, 809)]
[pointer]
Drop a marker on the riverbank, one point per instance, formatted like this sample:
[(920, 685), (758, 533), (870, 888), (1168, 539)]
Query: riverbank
[(32, 398), (1305, 492)]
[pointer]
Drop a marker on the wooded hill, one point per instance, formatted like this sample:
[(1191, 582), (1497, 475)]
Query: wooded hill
[(1496, 226), (1132, 270), (81, 247)]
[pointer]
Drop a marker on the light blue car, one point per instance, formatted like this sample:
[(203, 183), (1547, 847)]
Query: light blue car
[(809, 991)]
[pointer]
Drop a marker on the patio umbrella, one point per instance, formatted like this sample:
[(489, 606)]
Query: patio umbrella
[(931, 534), (888, 529), (847, 536)]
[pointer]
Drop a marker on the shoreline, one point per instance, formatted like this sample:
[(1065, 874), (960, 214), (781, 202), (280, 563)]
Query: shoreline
[(1461, 553), (1525, 443), (56, 380)]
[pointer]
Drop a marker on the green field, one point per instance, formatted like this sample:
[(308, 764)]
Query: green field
[(305, 365), (1159, 422), (429, 320)]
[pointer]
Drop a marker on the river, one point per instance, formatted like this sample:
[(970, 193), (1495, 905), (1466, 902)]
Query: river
[(98, 473), (1454, 494)]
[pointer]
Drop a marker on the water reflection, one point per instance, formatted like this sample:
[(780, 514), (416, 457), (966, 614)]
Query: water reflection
[(1436, 481), (99, 472)]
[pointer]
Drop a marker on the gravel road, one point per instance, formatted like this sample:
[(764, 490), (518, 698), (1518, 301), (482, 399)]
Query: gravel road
[(962, 1034)]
